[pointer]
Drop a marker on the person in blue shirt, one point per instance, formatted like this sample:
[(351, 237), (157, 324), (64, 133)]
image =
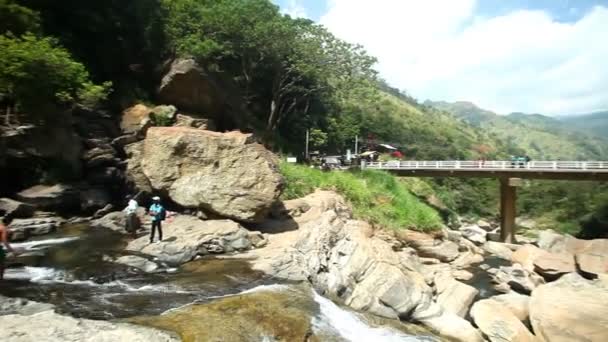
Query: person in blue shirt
[(158, 215)]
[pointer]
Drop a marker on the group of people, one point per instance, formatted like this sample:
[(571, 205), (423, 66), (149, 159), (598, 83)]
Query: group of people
[(156, 211)]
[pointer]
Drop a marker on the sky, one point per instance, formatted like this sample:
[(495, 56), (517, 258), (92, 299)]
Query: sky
[(534, 56)]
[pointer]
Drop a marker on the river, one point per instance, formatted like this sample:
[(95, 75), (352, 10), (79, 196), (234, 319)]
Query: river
[(200, 301)]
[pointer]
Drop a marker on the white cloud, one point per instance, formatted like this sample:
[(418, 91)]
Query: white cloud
[(295, 9), (441, 50)]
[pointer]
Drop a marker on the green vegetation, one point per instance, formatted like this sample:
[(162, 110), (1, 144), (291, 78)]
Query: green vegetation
[(376, 197)]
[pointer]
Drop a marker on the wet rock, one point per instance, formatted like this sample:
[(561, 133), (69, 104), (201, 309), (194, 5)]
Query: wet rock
[(570, 309), (108, 208), (186, 237), (224, 173), (15, 209), (282, 316), (20, 306), (138, 262), (498, 323), (52, 327), (498, 249), (474, 234), (454, 296), (21, 229), (517, 303)]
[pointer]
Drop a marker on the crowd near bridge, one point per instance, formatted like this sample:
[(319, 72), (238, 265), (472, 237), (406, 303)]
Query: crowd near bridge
[(510, 173)]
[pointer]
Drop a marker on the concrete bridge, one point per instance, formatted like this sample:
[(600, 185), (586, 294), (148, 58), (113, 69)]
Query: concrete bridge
[(509, 173)]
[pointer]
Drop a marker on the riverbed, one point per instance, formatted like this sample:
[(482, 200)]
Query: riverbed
[(207, 299)]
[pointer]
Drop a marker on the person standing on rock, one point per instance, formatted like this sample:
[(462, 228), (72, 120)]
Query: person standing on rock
[(132, 220), (4, 240), (158, 213)]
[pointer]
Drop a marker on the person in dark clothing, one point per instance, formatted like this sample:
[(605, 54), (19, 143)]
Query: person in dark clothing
[(157, 211), (4, 240)]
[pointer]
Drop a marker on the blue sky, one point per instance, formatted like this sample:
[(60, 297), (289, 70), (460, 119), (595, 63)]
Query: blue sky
[(541, 56)]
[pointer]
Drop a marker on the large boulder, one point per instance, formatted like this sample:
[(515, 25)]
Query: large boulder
[(526, 255), (591, 256), (498, 323), (52, 327), (430, 247), (474, 234), (186, 237), (498, 249), (223, 173), (516, 278), (553, 265), (570, 309), (136, 120)]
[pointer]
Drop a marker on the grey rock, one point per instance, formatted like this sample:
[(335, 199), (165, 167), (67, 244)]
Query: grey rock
[(16, 209)]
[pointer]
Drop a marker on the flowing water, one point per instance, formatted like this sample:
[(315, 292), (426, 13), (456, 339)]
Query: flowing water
[(201, 300)]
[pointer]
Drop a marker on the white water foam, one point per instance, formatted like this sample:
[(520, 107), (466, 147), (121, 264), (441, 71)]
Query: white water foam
[(46, 275), (352, 328), (41, 244)]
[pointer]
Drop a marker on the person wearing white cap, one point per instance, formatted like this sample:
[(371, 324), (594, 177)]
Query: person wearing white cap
[(158, 213)]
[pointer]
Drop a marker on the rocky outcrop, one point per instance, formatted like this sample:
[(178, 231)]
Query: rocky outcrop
[(344, 259), (591, 256), (183, 120), (498, 323), (570, 309), (553, 265), (474, 234), (428, 246), (136, 120), (52, 327), (186, 237), (516, 278), (498, 249), (224, 173)]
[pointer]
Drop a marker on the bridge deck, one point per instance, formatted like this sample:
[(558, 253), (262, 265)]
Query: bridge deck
[(567, 170)]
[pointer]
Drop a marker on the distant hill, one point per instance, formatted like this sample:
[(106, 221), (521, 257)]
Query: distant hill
[(594, 123), (539, 136)]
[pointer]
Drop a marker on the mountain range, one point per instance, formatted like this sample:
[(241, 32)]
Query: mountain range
[(580, 137)]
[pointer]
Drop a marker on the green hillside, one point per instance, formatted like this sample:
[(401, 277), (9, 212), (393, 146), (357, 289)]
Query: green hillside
[(539, 136), (594, 123)]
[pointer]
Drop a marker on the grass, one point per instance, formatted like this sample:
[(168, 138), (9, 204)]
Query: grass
[(376, 197)]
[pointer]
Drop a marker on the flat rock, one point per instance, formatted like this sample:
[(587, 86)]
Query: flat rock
[(553, 265), (185, 237), (517, 279), (498, 249), (49, 326), (526, 255), (454, 296), (59, 197), (570, 309), (21, 229), (137, 262), (474, 234)]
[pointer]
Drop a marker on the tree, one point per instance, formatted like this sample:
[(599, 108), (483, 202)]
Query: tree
[(37, 73), (17, 19)]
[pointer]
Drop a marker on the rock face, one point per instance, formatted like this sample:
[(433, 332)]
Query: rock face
[(498, 323), (186, 237), (224, 173), (52, 327), (57, 197), (343, 258), (591, 256), (570, 309)]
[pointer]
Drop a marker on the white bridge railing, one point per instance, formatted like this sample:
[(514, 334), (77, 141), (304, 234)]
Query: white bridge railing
[(601, 166)]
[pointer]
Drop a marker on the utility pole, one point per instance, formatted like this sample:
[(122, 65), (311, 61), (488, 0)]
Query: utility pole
[(356, 144), (307, 138)]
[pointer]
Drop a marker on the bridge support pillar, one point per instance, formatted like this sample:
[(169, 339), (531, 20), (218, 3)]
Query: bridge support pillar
[(508, 197)]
